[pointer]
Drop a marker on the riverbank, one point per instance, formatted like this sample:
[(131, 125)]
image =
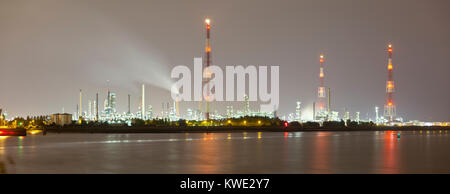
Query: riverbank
[(212, 129)]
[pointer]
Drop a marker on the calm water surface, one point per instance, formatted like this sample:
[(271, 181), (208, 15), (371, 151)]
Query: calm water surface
[(263, 152)]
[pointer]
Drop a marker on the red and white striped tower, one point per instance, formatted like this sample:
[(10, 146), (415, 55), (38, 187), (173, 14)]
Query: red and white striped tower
[(321, 89), (207, 64), (389, 107)]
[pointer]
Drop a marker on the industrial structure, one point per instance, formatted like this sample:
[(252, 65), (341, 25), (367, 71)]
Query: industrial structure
[(110, 105), (2, 118), (207, 62), (80, 112), (143, 102), (322, 111), (377, 118), (389, 107), (61, 119), (298, 112), (96, 107)]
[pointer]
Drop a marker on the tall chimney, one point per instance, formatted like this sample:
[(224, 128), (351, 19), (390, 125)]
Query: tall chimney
[(329, 103), (314, 110), (143, 101), (96, 108), (80, 114)]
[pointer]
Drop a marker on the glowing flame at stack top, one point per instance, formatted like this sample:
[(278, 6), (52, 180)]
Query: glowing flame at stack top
[(389, 107)]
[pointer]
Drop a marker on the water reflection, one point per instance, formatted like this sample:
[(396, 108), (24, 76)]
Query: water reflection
[(298, 134), (207, 155), (6, 162), (390, 153), (20, 141), (2, 145), (290, 135), (187, 138), (321, 155), (208, 136), (247, 152)]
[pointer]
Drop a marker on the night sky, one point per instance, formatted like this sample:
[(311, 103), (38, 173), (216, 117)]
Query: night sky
[(49, 49)]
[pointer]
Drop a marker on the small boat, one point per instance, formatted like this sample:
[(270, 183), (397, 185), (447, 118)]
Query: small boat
[(13, 132)]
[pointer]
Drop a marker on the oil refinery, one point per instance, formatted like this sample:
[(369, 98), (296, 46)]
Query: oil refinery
[(322, 108)]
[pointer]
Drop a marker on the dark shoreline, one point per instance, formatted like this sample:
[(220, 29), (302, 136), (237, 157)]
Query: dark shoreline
[(222, 129)]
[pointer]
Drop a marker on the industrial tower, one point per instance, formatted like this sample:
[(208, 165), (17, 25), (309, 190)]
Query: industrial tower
[(389, 107), (96, 107), (321, 111), (143, 103), (129, 105), (298, 112), (207, 64), (80, 113)]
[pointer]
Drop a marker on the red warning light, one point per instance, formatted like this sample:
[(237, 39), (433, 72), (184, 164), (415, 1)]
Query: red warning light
[(286, 124)]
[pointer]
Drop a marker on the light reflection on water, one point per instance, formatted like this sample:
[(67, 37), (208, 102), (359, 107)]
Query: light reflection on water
[(422, 151), (320, 162), (390, 155)]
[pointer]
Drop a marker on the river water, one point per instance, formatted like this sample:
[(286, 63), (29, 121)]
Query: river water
[(263, 152)]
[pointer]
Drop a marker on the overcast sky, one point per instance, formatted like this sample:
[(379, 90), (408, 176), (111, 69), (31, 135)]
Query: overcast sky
[(49, 49)]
